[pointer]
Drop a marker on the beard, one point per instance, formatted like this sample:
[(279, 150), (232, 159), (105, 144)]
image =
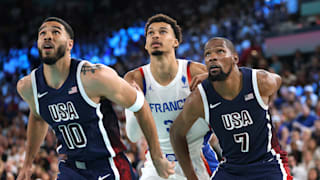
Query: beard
[(221, 76), (157, 53), (50, 60)]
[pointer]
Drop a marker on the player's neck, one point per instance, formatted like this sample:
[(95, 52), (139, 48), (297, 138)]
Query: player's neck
[(231, 87), (55, 75), (164, 68)]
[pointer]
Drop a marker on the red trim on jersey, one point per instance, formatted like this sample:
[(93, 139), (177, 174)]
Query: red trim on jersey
[(141, 71), (283, 154), (206, 164), (123, 167), (143, 81), (188, 72)]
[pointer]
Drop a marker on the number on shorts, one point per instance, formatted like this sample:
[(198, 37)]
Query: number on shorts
[(242, 138), (73, 135)]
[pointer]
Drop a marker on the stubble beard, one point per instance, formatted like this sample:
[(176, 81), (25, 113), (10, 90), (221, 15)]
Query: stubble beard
[(221, 76), (157, 53), (50, 60)]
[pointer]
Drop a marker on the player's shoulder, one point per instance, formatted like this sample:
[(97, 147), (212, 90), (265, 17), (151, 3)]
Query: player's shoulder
[(197, 68), (24, 86), (267, 81), (265, 76), (96, 72), (135, 75)]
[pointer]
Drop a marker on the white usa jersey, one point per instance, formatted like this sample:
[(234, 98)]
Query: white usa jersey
[(166, 102)]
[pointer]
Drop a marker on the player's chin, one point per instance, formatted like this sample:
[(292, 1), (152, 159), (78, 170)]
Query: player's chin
[(157, 52)]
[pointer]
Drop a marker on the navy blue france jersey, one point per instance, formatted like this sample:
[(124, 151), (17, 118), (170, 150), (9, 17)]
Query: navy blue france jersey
[(242, 125), (85, 130)]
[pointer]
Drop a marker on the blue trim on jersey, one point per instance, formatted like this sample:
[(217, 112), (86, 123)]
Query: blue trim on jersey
[(144, 86)]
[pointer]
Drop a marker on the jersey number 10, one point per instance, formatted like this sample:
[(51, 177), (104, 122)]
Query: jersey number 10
[(73, 135)]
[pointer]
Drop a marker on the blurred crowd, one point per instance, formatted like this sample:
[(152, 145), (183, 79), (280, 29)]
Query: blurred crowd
[(101, 38)]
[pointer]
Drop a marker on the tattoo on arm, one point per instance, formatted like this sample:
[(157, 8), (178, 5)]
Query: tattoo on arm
[(93, 68)]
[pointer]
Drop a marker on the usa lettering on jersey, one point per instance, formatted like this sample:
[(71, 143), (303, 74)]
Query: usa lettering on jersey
[(236, 120), (63, 111)]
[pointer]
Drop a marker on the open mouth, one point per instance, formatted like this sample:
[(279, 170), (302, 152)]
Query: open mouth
[(48, 46), (156, 44), (214, 68)]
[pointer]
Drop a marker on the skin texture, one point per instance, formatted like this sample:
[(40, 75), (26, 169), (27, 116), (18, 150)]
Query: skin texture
[(98, 81), (160, 38), (219, 54)]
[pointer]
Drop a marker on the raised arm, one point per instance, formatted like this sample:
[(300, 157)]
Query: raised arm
[(37, 127), (192, 110), (104, 81)]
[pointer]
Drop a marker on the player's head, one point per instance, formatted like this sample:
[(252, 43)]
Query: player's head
[(162, 34), (220, 58), (55, 40)]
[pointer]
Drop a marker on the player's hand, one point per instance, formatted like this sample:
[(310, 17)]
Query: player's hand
[(197, 80), (135, 85), (164, 167), (25, 173)]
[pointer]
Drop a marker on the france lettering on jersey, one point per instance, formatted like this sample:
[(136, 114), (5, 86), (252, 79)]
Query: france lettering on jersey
[(166, 102), (85, 129), (243, 124)]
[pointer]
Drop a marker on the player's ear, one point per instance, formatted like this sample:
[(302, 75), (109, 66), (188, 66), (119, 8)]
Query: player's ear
[(176, 43), (235, 58), (70, 44)]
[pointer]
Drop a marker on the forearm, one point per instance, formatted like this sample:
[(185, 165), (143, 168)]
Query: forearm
[(181, 150), (132, 127), (148, 127), (36, 132)]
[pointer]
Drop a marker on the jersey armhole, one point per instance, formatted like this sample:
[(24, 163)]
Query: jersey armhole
[(81, 88), (205, 103), (34, 90), (188, 72), (143, 80), (256, 90)]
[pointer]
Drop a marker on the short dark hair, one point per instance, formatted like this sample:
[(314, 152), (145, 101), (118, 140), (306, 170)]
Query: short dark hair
[(229, 44), (66, 26), (164, 18)]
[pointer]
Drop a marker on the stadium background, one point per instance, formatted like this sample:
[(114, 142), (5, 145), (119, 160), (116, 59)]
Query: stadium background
[(282, 36)]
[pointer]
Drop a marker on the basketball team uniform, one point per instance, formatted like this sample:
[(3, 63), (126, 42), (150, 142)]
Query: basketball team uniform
[(88, 132), (166, 102), (249, 144)]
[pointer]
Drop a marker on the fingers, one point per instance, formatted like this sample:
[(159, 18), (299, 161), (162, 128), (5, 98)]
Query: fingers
[(194, 83), (171, 168), (165, 168), (135, 85)]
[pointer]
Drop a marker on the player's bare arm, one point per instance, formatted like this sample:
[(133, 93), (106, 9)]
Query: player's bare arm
[(192, 110), (134, 77), (198, 73), (37, 127), (133, 129), (102, 81), (268, 84)]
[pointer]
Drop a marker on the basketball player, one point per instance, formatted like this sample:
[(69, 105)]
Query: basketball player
[(73, 97), (234, 101), (165, 83)]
